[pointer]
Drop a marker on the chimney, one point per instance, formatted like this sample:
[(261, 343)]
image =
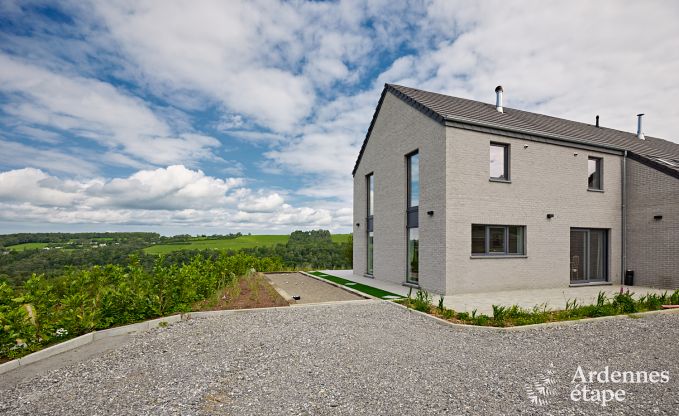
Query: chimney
[(640, 132), (498, 101), (597, 120)]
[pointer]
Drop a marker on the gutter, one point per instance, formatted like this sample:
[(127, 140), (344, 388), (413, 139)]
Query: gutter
[(529, 132), (623, 257)]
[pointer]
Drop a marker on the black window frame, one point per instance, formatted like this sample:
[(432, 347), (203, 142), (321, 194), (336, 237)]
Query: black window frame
[(412, 211), (506, 177), (505, 253), (600, 173)]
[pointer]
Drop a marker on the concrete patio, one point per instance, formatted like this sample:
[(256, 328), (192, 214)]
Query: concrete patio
[(482, 302)]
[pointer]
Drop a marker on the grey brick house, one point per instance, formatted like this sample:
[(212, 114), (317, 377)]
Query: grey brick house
[(460, 196)]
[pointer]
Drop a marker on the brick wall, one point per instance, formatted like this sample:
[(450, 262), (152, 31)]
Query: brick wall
[(400, 129), (545, 178), (652, 245)]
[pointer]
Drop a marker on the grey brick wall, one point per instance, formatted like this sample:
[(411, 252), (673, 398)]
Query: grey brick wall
[(399, 129), (652, 246), (545, 178)]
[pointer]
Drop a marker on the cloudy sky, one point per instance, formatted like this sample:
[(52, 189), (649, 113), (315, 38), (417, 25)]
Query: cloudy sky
[(224, 116)]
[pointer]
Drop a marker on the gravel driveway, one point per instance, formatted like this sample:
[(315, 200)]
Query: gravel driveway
[(366, 357)]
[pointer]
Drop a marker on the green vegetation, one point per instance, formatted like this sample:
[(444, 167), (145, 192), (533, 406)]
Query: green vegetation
[(198, 243), (503, 316), (304, 250), (372, 291), (241, 242), (44, 311), (27, 246)]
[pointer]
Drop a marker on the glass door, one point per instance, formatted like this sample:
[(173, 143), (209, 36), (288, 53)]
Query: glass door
[(588, 259)]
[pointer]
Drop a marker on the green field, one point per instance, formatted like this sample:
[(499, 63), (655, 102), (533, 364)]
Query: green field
[(27, 246), (246, 241)]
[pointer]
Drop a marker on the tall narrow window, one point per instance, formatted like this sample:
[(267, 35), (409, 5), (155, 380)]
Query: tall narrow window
[(412, 218), (499, 161), (370, 198), (413, 255), (414, 180), (594, 165)]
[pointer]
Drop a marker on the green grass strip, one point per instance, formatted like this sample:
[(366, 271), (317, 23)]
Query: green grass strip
[(372, 291)]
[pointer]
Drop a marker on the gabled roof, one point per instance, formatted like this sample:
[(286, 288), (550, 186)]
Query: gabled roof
[(656, 152)]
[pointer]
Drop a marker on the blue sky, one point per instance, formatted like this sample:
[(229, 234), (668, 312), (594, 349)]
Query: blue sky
[(215, 117)]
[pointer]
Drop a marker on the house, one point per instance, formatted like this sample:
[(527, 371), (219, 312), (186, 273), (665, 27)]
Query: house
[(460, 196)]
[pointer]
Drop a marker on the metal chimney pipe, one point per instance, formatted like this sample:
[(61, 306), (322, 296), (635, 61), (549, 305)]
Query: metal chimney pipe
[(640, 132), (597, 120), (498, 101)]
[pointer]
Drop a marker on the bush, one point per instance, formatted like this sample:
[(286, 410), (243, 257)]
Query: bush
[(81, 301), (422, 301)]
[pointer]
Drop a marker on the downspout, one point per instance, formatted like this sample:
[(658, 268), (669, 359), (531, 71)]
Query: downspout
[(623, 258)]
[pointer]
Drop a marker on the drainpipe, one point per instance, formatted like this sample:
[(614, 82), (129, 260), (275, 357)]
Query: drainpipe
[(623, 257)]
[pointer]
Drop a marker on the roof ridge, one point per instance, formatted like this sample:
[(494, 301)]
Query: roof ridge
[(526, 112)]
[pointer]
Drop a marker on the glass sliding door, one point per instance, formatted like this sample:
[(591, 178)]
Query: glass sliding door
[(589, 255)]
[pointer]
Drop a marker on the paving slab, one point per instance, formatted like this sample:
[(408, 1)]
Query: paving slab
[(483, 302), (309, 290)]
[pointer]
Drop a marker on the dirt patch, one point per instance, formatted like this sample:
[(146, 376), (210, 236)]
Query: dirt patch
[(243, 293)]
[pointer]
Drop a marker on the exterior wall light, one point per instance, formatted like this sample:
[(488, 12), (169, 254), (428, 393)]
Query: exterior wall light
[(550, 216), (430, 213)]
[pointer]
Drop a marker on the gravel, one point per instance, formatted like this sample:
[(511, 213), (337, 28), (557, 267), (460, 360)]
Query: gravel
[(356, 358)]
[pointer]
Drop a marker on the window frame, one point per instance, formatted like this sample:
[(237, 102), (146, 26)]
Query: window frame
[(370, 194), (409, 181), (487, 253), (506, 160), (600, 171), (370, 229)]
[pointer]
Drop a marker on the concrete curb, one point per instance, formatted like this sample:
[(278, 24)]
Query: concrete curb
[(348, 289), (441, 321), (210, 314), (86, 339), (285, 295)]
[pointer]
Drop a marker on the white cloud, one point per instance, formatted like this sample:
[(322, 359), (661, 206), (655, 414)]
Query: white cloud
[(161, 197), (19, 155), (96, 110)]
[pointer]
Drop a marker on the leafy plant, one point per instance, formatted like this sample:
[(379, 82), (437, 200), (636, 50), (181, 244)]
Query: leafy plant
[(422, 301)]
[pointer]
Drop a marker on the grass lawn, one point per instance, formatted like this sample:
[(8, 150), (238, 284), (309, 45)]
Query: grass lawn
[(27, 246), (246, 241), (372, 291)]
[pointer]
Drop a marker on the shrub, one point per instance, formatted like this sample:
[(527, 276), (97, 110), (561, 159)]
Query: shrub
[(422, 301), (80, 301)]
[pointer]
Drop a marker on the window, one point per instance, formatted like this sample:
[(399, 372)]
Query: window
[(413, 180), (371, 239), (594, 165), (412, 218), (498, 240), (413, 255), (370, 186), (371, 194), (499, 161)]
